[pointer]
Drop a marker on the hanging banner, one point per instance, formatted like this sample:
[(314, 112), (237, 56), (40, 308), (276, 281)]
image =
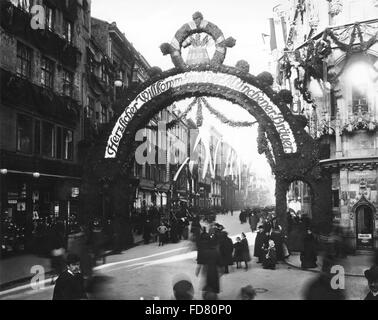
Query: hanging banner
[(202, 77)]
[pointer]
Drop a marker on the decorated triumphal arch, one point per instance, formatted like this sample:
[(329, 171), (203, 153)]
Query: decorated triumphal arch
[(291, 152)]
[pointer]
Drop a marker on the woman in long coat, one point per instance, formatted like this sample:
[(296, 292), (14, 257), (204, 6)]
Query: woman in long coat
[(245, 248), (226, 247), (309, 254), (260, 242), (278, 239), (238, 252)]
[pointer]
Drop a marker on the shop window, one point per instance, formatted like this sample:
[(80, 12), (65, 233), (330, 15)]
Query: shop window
[(67, 83), (37, 137), (24, 134), (47, 73), (48, 140), (68, 31), (67, 144), (24, 55)]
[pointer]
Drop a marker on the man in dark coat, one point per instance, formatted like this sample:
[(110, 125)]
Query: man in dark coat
[(372, 277), (70, 284), (226, 248), (260, 242)]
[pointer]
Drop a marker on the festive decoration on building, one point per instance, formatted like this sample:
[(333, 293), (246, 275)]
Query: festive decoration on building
[(335, 7), (223, 118), (360, 121), (197, 26)]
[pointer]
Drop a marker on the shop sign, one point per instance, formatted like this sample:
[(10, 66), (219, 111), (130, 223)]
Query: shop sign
[(365, 236)]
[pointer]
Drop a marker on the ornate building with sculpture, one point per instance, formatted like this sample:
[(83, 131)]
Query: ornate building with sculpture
[(329, 60)]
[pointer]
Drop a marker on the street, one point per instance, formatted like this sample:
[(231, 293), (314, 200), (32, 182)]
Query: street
[(147, 271)]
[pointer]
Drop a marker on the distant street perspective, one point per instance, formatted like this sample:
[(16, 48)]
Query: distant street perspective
[(199, 150)]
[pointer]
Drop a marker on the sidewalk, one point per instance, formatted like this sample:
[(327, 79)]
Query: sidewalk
[(17, 270), (354, 265)]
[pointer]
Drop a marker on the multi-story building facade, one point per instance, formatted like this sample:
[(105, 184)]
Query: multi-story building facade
[(330, 62), (41, 108)]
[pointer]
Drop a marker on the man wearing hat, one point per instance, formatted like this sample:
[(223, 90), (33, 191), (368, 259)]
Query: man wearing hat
[(372, 278), (70, 284)]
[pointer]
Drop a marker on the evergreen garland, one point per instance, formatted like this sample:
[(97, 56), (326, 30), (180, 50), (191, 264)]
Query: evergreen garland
[(224, 119)]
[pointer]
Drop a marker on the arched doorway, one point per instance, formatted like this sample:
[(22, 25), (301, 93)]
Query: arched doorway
[(365, 220), (290, 150)]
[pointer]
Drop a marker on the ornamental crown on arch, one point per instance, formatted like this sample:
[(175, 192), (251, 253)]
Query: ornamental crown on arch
[(196, 26)]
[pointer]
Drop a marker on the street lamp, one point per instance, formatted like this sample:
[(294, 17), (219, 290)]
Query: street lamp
[(36, 175), (4, 171)]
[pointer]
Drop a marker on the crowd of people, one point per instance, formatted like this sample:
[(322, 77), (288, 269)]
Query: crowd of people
[(217, 254)]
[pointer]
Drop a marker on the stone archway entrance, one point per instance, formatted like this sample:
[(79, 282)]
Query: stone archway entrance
[(291, 152)]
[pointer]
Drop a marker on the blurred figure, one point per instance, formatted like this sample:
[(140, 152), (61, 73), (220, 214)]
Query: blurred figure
[(209, 269), (162, 232), (372, 277), (183, 290), (309, 254), (270, 259), (58, 248), (238, 252), (247, 293), (253, 221), (260, 241), (98, 288), (226, 248), (70, 283), (147, 232), (245, 249), (320, 288)]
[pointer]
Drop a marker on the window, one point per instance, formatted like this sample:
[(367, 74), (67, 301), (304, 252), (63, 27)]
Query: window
[(90, 107), (24, 134), (68, 31), (47, 73), (67, 83), (48, 140), (50, 18), (59, 143), (104, 115), (335, 198), (37, 137), (67, 144), (23, 60), (22, 4), (359, 99)]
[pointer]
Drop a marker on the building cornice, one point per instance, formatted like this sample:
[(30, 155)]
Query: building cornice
[(351, 164)]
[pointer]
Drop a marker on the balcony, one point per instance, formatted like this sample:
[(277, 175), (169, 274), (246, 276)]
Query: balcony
[(24, 163), (17, 22), (28, 96)]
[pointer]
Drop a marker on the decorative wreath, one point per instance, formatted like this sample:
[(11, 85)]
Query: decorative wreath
[(198, 25)]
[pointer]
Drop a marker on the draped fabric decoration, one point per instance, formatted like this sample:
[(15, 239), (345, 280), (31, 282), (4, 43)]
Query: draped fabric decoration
[(201, 103)]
